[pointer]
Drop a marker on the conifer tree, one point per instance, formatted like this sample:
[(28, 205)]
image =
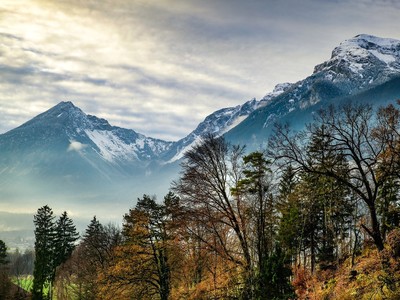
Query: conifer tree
[(64, 243), (332, 208), (94, 243), (44, 251), (255, 187), (289, 228), (352, 133), (3, 253), (141, 263), (54, 243), (270, 275)]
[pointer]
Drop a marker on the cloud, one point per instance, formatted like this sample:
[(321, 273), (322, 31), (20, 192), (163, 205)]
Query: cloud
[(160, 67), (76, 146)]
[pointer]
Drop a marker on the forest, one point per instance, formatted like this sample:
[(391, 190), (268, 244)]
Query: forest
[(314, 214)]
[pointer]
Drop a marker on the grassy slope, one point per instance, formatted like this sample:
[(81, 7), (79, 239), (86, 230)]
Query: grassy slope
[(375, 275)]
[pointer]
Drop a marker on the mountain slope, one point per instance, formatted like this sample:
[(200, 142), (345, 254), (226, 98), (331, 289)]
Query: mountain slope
[(359, 68), (66, 158), (65, 155), (220, 122), (66, 129)]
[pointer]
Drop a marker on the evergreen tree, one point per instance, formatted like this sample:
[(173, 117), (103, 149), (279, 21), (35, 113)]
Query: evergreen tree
[(5, 283), (388, 205), (54, 243), (64, 244), (270, 271), (3, 253), (289, 229), (287, 183), (145, 230), (332, 208), (44, 251), (277, 276), (94, 243)]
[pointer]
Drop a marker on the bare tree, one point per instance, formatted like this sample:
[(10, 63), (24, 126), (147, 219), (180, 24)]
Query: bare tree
[(352, 131), (210, 171)]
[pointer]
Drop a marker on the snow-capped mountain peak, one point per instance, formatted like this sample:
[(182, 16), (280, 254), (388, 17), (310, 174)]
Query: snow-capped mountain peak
[(66, 154), (86, 133), (363, 52)]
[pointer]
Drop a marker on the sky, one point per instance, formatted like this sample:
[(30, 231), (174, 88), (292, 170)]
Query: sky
[(160, 67)]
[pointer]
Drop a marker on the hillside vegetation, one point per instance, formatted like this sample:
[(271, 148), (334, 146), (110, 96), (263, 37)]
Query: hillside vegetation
[(315, 215)]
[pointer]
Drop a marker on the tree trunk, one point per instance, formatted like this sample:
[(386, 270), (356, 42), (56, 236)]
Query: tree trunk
[(375, 232)]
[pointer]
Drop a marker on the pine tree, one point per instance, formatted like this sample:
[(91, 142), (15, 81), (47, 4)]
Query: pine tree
[(332, 208), (54, 243), (94, 243), (44, 251), (288, 207), (146, 233), (3, 253), (64, 244), (5, 283), (256, 188)]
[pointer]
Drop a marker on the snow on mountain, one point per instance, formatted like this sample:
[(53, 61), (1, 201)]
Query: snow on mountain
[(64, 156), (110, 142), (363, 67), (279, 89), (361, 57), (355, 65), (221, 121)]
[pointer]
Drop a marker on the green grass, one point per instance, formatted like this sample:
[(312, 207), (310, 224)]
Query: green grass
[(25, 282)]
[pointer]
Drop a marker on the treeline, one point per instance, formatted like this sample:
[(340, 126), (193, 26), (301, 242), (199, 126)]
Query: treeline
[(16, 265), (249, 226)]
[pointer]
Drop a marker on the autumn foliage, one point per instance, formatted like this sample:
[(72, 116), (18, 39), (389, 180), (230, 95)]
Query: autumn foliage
[(316, 215)]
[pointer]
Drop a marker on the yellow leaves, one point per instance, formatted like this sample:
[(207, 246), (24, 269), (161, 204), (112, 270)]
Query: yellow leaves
[(375, 275)]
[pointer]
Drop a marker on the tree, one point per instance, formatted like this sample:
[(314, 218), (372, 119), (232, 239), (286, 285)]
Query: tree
[(142, 262), (80, 276), (95, 254), (331, 200), (256, 188), (388, 133), (289, 228), (64, 243), (349, 130), (209, 172), (3, 253), (230, 209), (54, 243), (5, 283), (44, 241)]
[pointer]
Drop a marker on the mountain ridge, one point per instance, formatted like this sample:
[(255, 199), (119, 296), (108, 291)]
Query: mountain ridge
[(358, 63), (67, 156), (351, 70)]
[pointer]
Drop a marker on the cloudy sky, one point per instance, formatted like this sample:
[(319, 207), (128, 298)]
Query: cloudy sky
[(160, 67)]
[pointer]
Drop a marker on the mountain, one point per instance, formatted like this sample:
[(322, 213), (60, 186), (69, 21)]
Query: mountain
[(220, 122), (71, 160), (66, 142), (65, 155), (364, 68)]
